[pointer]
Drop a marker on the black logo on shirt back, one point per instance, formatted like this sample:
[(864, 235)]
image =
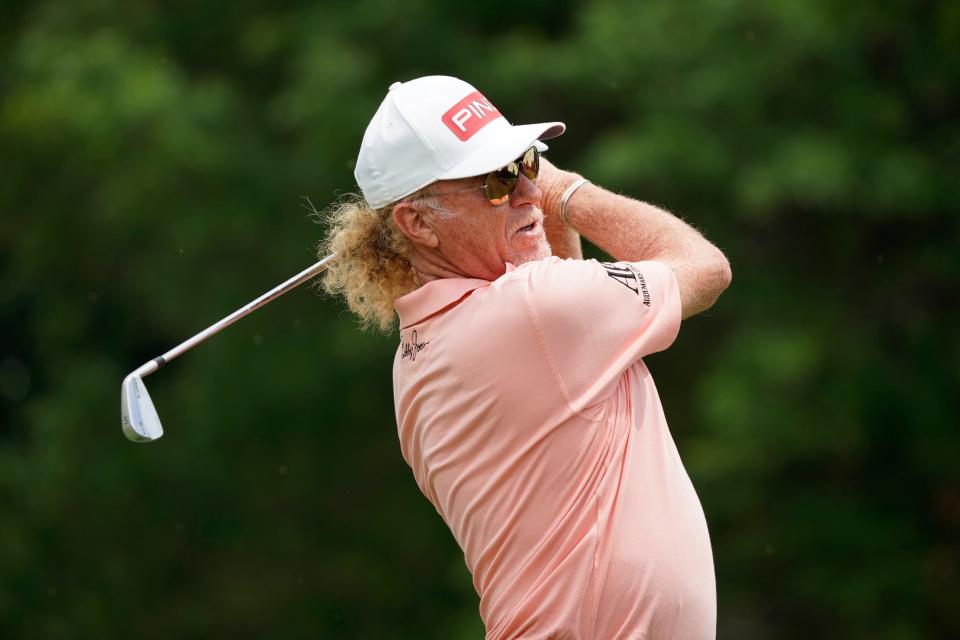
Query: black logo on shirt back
[(411, 349), (627, 275)]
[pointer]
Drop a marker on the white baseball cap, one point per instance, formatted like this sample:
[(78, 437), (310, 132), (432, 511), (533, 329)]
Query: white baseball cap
[(437, 128)]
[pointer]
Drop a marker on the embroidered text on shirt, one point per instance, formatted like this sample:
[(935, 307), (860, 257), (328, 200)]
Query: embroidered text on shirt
[(411, 349), (627, 275)]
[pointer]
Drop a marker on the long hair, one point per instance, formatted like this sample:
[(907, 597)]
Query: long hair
[(372, 267)]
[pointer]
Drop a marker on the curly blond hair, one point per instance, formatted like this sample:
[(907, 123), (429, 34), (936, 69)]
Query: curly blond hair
[(372, 267)]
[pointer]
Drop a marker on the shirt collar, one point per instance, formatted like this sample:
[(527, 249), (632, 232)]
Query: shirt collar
[(435, 296)]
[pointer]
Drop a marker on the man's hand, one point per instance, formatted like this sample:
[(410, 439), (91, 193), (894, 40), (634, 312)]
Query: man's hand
[(564, 239)]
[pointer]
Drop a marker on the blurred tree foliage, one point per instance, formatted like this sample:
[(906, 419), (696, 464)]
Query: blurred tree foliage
[(153, 155)]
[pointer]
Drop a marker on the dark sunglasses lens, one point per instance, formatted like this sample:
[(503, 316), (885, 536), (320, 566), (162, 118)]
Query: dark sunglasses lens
[(501, 183), (530, 161)]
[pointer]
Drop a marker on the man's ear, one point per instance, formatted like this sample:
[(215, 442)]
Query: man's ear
[(409, 216)]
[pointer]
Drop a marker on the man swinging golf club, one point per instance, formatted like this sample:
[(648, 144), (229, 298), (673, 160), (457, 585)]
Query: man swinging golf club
[(523, 404)]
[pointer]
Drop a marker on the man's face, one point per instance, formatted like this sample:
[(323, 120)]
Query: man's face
[(477, 238)]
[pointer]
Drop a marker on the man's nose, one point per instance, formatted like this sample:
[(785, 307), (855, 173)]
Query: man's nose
[(527, 192)]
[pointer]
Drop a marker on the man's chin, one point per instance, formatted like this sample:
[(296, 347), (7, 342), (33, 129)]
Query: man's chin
[(541, 251)]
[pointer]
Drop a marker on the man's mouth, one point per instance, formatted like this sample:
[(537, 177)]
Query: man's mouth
[(528, 228)]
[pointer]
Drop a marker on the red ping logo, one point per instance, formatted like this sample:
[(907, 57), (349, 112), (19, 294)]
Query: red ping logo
[(470, 115)]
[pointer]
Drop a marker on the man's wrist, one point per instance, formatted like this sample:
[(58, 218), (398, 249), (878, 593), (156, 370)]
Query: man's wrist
[(567, 194), (553, 185)]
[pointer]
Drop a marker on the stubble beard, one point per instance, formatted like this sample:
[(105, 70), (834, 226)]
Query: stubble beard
[(542, 251)]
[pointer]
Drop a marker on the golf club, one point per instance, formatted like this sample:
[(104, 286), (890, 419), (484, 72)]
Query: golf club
[(138, 417)]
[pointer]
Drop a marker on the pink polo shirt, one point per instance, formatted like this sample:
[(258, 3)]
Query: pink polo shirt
[(534, 428)]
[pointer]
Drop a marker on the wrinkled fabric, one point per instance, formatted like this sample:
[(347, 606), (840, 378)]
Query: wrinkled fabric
[(532, 425)]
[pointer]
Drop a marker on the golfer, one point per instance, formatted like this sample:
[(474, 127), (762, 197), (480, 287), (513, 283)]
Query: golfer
[(523, 404)]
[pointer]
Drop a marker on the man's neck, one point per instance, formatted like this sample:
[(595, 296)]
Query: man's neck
[(433, 266)]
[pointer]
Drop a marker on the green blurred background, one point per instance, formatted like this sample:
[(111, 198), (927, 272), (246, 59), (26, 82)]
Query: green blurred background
[(153, 156)]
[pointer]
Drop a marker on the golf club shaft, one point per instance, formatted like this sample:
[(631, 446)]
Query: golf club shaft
[(151, 366)]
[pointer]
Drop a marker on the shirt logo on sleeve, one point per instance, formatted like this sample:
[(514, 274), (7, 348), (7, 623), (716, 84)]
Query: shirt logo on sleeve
[(412, 348), (628, 275)]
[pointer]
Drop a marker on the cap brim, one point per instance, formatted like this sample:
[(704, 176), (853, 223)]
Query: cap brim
[(503, 147)]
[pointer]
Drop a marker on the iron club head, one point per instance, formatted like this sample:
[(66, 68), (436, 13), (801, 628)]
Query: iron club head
[(137, 414)]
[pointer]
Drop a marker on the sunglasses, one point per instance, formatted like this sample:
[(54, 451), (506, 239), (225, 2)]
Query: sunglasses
[(499, 185)]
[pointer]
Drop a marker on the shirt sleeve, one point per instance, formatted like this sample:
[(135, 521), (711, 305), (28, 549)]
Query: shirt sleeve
[(597, 319)]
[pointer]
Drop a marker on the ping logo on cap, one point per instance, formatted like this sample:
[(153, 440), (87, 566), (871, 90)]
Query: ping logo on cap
[(470, 115)]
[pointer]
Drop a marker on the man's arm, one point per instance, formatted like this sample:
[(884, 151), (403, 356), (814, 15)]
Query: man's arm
[(633, 231)]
